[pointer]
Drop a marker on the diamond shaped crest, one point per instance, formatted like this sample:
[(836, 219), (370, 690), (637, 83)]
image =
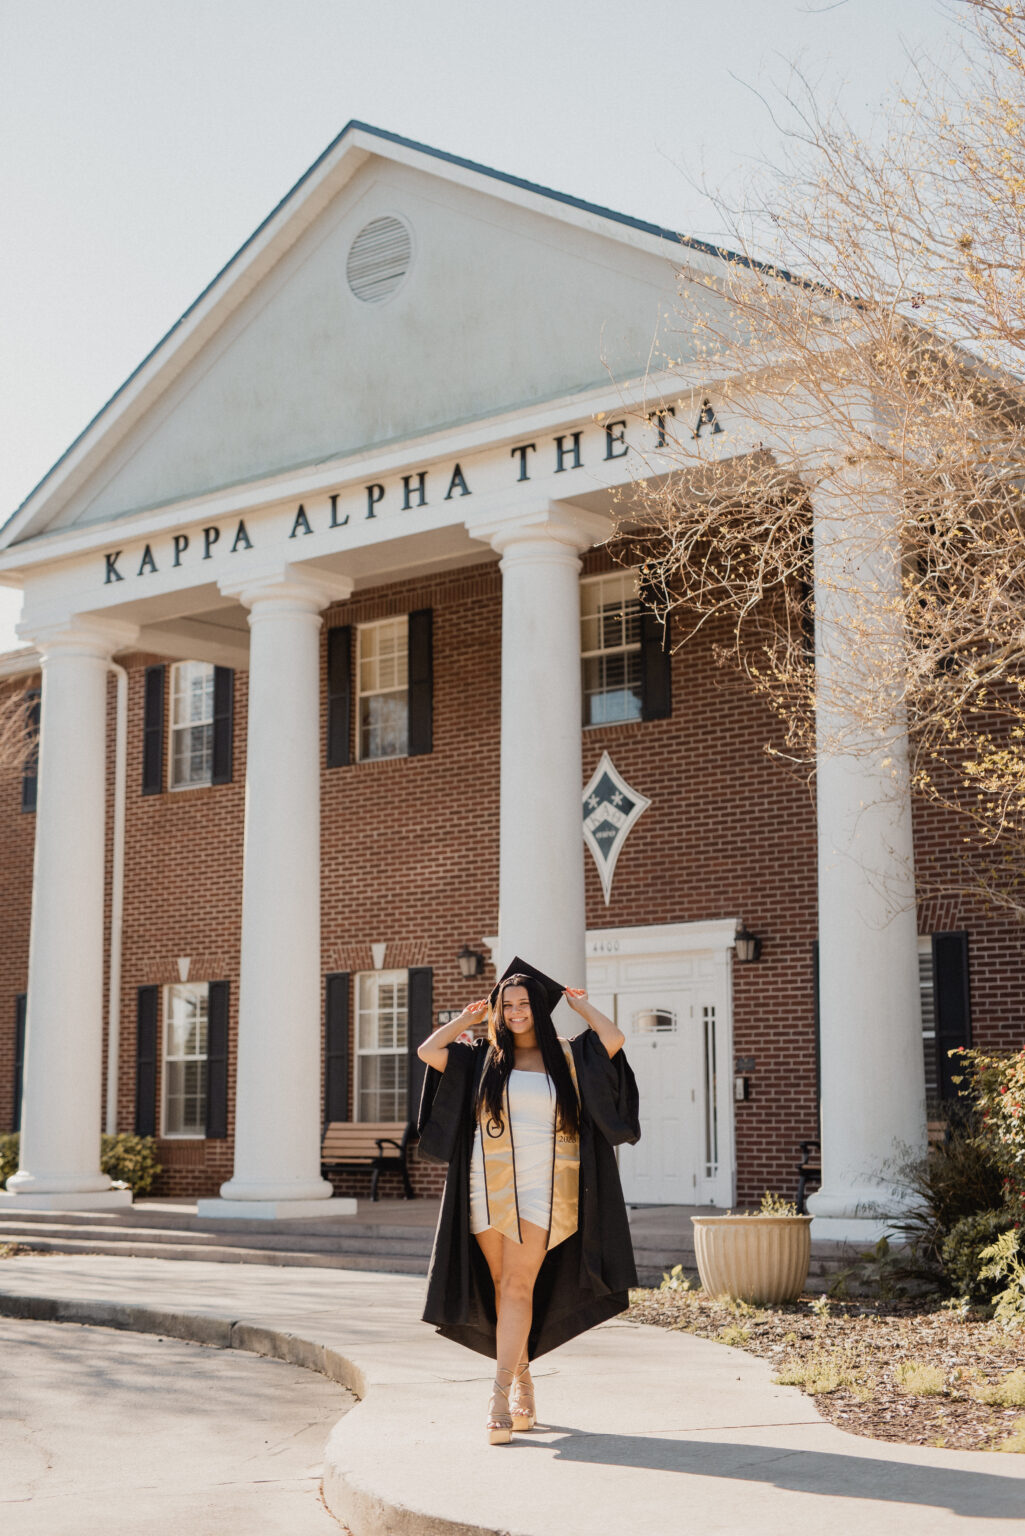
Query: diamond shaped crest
[(610, 809)]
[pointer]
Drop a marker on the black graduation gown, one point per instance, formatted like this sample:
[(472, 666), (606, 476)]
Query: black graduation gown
[(584, 1279)]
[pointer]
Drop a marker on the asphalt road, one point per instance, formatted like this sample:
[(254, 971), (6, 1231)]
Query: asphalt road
[(106, 1433)]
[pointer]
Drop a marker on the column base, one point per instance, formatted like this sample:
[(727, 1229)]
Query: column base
[(75, 1200), (218, 1209)]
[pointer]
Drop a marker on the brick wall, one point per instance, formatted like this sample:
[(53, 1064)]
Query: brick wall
[(410, 858)]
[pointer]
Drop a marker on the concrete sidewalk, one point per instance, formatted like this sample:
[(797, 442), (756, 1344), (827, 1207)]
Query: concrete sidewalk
[(645, 1431)]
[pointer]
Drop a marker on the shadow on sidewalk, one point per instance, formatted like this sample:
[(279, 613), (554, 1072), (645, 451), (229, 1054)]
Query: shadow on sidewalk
[(978, 1495)]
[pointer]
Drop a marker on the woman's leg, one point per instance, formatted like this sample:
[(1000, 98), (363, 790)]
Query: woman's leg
[(514, 1268)]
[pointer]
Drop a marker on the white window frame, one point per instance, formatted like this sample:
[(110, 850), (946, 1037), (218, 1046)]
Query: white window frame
[(208, 724), (195, 989), (363, 982), (627, 649), (363, 693)]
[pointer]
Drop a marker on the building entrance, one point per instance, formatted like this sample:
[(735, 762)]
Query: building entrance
[(674, 1009)]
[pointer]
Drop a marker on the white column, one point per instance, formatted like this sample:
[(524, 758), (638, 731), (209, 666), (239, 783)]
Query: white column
[(873, 1090), (277, 1095), (541, 851), (61, 1106)]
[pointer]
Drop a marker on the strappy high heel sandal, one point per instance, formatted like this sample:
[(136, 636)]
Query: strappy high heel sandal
[(499, 1425), (521, 1399)]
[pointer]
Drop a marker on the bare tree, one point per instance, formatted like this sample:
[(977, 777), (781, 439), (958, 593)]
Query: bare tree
[(17, 731), (899, 352)]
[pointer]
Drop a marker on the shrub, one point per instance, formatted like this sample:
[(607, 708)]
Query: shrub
[(961, 1254), (1003, 1261), (8, 1156), (132, 1159), (959, 1177), (997, 1087)]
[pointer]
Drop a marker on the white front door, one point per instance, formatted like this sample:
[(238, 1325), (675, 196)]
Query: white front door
[(674, 1012)]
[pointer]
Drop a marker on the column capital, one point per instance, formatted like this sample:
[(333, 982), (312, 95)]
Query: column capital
[(560, 524), (79, 635), (288, 586)]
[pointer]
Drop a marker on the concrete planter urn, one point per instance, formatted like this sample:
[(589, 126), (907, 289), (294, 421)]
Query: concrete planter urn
[(753, 1258)]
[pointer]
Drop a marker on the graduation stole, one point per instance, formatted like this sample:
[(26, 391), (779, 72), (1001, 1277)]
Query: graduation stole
[(500, 1172)]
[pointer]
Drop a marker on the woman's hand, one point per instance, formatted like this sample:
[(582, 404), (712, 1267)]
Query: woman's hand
[(474, 1013), (571, 994), (611, 1038), (434, 1050)]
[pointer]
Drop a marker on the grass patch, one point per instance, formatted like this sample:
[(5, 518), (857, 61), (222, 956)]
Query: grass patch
[(1008, 1392), (820, 1373), (1015, 1442), (919, 1380), (734, 1334)]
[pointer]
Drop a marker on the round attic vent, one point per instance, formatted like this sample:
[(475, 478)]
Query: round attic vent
[(379, 259)]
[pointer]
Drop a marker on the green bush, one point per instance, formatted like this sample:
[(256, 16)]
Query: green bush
[(958, 1178), (8, 1156), (132, 1159), (961, 1254)]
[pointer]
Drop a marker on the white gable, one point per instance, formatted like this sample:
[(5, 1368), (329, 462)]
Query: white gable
[(508, 301)]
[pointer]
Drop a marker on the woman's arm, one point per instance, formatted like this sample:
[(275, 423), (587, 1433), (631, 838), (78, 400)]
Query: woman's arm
[(612, 1039), (434, 1050)]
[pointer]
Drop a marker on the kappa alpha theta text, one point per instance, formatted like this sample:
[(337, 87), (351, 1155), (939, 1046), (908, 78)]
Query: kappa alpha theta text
[(564, 452)]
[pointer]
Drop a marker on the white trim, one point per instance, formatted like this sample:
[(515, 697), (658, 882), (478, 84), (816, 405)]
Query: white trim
[(664, 938)]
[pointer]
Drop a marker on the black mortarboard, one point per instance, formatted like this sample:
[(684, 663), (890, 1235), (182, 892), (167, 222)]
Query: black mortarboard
[(517, 967)]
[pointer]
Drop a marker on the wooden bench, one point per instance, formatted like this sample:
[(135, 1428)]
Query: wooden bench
[(356, 1144), (809, 1169)]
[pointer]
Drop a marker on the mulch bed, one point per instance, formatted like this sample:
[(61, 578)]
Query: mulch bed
[(857, 1358)]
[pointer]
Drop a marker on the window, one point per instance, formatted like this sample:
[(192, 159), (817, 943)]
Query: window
[(382, 1038), (185, 1059), (610, 648), (192, 724), (383, 681), (30, 766)]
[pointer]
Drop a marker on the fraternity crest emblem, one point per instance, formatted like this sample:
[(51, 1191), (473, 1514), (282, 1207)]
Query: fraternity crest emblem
[(610, 809)]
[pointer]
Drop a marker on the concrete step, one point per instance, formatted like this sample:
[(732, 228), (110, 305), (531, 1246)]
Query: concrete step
[(185, 1220), (414, 1244), (396, 1264)]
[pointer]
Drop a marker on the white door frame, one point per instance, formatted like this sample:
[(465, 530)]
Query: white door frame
[(608, 948)]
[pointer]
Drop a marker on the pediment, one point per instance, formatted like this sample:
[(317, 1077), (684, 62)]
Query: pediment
[(509, 299)]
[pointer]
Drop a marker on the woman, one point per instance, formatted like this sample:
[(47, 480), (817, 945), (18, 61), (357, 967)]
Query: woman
[(533, 1243)]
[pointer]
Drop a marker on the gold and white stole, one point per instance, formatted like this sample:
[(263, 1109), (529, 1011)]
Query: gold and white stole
[(500, 1172)]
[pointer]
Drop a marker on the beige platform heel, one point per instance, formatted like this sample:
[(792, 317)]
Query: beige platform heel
[(500, 1425), (521, 1399)]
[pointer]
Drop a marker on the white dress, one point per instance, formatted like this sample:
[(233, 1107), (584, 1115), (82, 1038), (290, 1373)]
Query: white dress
[(532, 1107)]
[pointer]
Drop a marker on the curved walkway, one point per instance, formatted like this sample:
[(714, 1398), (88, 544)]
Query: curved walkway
[(647, 1431), (110, 1434)]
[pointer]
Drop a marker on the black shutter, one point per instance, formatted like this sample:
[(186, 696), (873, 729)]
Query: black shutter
[(224, 709), (656, 670), (336, 1047), (153, 731), (218, 995), (952, 1004), (30, 771), (146, 1034), (421, 1016), (421, 682), (339, 696), (19, 1056)]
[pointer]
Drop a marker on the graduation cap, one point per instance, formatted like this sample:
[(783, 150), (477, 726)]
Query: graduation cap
[(553, 990)]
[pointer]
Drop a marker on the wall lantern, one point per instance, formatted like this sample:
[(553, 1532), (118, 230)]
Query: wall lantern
[(471, 962), (748, 946)]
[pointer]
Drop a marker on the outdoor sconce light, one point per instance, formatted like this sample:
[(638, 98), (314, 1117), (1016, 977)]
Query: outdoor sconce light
[(471, 962), (748, 946)]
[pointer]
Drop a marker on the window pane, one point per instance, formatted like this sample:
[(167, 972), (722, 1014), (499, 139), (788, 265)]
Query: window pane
[(192, 696), (382, 1088), (185, 1060), (384, 725)]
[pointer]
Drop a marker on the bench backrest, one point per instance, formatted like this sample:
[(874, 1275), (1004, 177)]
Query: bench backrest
[(358, 1138)]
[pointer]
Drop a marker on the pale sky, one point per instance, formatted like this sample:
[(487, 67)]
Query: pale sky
[(141, 141)]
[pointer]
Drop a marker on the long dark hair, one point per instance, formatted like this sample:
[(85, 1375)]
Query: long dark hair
[(501, 1059)]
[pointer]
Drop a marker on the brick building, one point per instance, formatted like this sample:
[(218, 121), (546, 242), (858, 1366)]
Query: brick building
[(336, 661)]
